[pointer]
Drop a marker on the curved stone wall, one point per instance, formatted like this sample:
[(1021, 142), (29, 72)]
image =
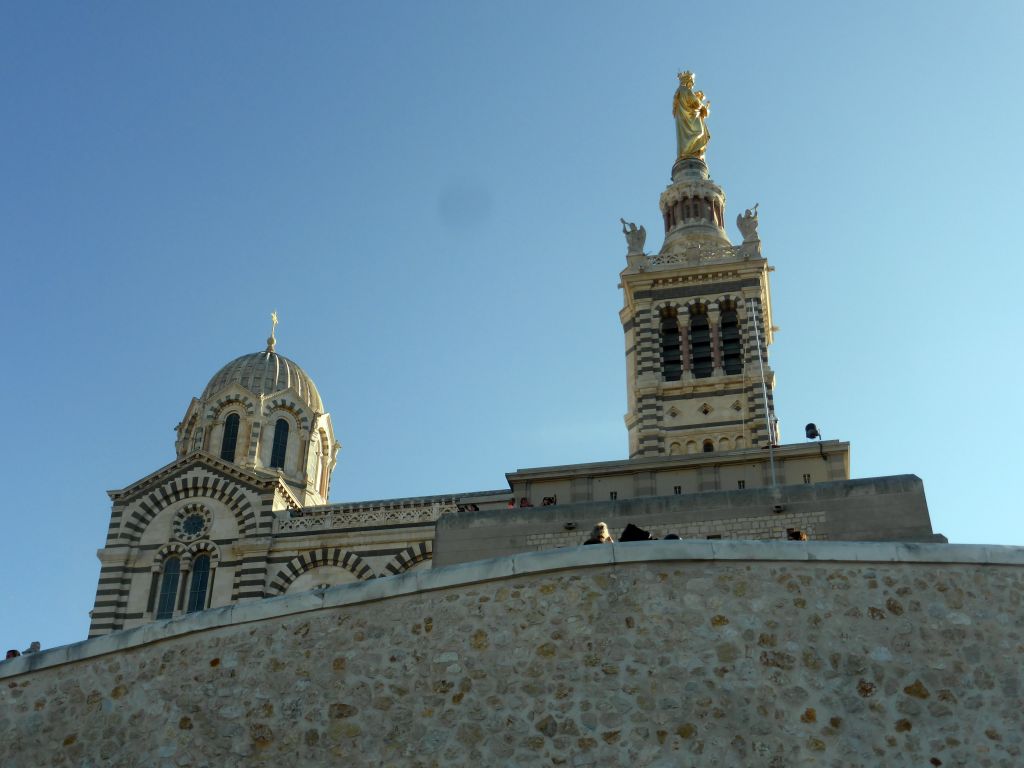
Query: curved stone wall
[(647, 654)]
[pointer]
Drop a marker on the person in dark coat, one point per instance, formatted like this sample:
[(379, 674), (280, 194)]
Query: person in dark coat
[(633, 533)]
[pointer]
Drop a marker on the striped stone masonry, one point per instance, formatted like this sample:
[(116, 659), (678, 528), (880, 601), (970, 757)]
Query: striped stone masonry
[(698, 280), (314, 559), (409, 557), (197, 482)]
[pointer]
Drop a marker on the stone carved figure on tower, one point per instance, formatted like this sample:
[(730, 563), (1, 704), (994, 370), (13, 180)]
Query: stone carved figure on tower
[(690, 109), (635, 238), (746, 222)]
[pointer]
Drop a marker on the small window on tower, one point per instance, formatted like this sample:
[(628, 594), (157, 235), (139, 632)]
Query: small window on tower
[(700, 343), (671, 358), (613, 495), (227, 446), (732, 352), (280, 444), (677, 489), (807, 479), (709, 446), (200, 582), (168, 588)]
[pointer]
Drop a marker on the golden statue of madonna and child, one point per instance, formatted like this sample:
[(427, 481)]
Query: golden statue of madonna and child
[(690, 109)]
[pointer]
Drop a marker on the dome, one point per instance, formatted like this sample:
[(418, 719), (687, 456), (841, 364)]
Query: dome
[(264, 373)]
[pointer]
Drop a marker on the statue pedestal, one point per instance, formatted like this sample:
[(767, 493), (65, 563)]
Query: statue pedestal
[(689, 169), (636, 262)]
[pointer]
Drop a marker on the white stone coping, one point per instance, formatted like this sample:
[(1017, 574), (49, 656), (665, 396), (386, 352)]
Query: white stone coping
[(527, 563), (403, 501), (361, 518), (674, 461)]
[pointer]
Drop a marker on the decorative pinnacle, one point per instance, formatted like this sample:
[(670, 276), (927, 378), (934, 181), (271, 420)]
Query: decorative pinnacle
[(271, 341)]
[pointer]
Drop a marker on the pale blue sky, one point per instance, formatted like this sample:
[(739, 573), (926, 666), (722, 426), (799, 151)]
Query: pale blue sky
[(429, 194)]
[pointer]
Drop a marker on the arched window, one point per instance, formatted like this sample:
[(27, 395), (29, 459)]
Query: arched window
[(227, 446), (732, 353), (200, 582), (709, 447), (671, 360), (280, 444), (168, 588), (700, 343)]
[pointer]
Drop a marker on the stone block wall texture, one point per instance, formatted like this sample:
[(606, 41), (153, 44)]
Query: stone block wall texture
[(736, 654)]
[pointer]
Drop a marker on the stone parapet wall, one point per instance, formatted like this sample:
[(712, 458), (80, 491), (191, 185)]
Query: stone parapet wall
[(752, 528), (646, 654), (890, 508)]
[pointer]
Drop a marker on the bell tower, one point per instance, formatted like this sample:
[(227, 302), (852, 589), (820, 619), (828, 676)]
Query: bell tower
[(697, 314)]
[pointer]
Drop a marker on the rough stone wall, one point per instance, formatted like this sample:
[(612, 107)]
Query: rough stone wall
[(659, 654)]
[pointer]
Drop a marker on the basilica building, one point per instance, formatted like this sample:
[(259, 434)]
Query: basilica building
[(242, 511)]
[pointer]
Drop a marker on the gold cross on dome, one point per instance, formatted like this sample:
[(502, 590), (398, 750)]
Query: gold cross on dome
[(272, 341)]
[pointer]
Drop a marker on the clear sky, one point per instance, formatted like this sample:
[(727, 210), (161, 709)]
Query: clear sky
[(428, 193)]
